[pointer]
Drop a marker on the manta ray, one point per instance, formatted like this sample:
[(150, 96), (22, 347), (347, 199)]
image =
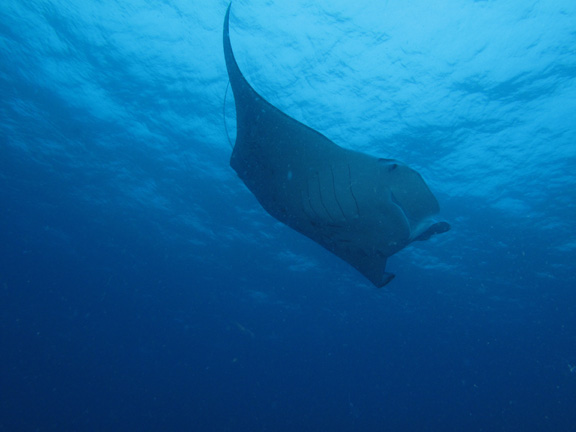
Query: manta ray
[(360, 207)]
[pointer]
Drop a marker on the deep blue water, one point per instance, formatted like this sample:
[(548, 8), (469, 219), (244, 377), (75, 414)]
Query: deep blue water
[(143, 288)]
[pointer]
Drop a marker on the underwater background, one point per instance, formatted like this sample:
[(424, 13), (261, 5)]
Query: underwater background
[(143, 288)]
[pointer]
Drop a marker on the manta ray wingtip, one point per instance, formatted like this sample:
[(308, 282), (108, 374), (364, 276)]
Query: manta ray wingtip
[(386, 279)]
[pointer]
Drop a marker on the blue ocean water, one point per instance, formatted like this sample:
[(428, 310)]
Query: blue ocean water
[(143, 288)]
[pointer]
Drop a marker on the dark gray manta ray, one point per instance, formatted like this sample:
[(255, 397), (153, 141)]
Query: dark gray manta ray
[(359, 207)]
